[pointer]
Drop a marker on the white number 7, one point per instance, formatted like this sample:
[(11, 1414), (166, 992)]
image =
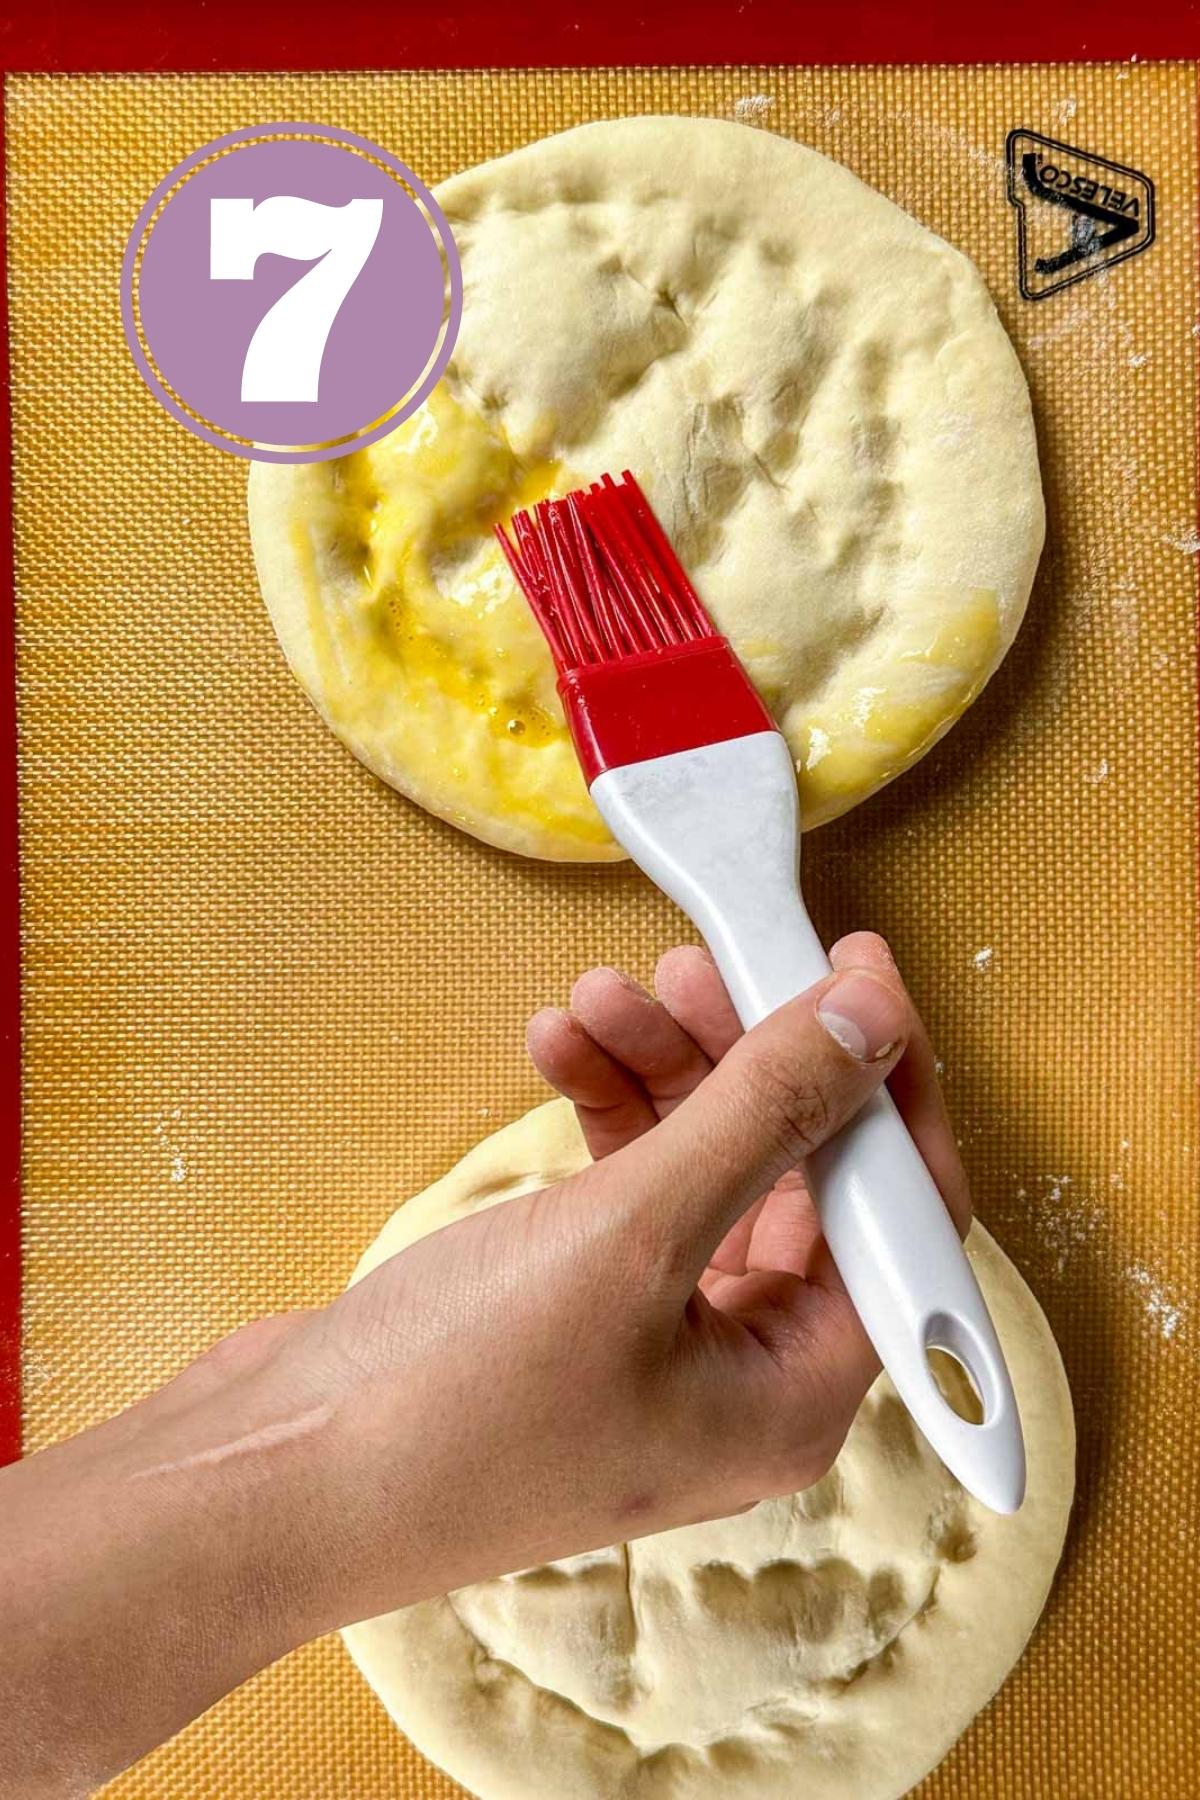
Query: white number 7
[(283, 360)]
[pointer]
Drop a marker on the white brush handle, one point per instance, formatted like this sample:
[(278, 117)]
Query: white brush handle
[(717, 829)]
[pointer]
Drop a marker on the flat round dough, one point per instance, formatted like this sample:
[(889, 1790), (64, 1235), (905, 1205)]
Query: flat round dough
[(814, 390), (830, 1646)]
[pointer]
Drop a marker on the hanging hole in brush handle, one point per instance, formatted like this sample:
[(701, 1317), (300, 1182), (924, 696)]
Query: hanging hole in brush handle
[(913, 1287), (961, 1370), (953, 1382)]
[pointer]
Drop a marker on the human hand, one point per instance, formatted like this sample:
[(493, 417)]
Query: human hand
[(627, 1059), (660, 1339)]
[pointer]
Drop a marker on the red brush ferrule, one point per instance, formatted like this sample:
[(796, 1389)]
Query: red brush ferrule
[(659, 703)]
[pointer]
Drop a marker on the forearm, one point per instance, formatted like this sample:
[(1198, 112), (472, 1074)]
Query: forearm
[(149, 1566)]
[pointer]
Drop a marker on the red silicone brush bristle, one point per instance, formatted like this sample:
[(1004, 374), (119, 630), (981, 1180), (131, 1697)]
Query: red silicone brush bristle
[(601, 577), (642, 670)]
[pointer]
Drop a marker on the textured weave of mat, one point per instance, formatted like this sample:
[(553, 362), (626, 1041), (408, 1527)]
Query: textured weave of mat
[(264, 997)]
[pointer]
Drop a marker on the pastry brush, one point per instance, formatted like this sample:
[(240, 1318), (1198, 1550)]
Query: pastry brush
[(691, 775)]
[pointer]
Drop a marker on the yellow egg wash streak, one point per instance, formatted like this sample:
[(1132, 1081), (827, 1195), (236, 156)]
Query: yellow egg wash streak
[(934, 671), (443, 656), (421, 645)]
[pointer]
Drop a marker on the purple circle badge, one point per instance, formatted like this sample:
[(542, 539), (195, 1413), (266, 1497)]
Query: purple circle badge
[(291, 292)]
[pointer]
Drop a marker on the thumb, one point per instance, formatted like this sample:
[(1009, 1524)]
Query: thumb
[(780, 1092)]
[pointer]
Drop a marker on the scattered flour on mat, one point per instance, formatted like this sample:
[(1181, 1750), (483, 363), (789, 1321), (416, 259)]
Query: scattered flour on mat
[(1187, 541), (1099, 773), (1073, 1223), (36, 1370), (166, 1130), (1061, 328), (952, 137), (1165, 1309), (1126, 618), (1139, 359), (983, 959), (1067, 1220), (1066, 109), (753, 108)]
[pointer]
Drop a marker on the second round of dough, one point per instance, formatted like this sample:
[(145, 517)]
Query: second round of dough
[(816, 394), (827, 1646)]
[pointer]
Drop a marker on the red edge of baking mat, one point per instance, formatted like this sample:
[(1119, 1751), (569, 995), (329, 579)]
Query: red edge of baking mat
[(294, 35)]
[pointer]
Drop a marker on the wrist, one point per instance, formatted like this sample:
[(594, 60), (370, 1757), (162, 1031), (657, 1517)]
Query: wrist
[(296, 1451), (149, 1569), (232, 1476), (260, 1457)]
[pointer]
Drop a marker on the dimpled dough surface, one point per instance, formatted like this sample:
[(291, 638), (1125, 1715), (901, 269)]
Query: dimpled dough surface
[(819, 399), (834, 1644)]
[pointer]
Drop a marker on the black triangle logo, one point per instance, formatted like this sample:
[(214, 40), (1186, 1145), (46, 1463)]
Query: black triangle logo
[(1077, 213)]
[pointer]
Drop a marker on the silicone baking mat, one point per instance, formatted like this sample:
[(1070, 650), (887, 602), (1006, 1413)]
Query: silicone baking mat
[(265, 998)]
